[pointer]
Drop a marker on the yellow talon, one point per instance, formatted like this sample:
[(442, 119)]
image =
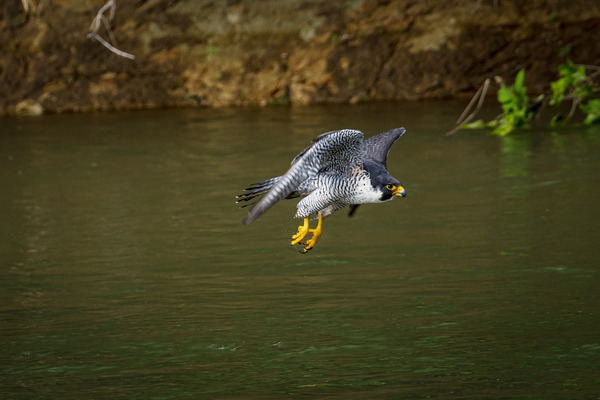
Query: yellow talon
[(316, 235), (302, 232)]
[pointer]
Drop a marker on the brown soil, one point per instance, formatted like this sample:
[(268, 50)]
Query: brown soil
[(223, 53)]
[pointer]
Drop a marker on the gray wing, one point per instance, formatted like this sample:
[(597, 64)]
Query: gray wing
[(377, 147), (338, 150)]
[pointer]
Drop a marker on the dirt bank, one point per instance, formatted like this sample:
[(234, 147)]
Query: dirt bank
[(234, 52)]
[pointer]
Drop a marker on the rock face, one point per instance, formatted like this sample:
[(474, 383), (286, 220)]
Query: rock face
[(235, 52)]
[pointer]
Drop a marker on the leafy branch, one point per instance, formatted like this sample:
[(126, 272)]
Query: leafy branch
[(574, 85), (518, 110)]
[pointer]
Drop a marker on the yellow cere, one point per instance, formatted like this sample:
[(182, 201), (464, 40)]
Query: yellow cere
[(398, 190)]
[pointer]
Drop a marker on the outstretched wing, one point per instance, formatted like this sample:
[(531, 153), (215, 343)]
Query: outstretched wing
[(377, 147), (338, 150)]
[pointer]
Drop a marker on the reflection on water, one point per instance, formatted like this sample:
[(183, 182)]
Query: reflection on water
[(125, 271)]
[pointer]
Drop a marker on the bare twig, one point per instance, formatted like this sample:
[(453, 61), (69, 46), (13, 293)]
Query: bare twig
[(481, 92), (29, 7), (572, 110), (118, 52), (594, 67), (595, 74), (40, 8), (102, 20)]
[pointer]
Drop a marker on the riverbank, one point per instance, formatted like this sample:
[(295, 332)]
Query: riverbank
[(231, 53)]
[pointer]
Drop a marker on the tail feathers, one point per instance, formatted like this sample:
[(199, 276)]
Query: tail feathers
[(255, 190)]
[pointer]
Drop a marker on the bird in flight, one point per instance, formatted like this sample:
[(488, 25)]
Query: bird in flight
[(339, 168)]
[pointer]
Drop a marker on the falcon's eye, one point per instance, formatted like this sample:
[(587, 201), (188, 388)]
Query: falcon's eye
[(391, 187)]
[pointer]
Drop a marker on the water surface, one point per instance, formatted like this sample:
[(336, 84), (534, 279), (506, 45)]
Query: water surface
[(125, 271)]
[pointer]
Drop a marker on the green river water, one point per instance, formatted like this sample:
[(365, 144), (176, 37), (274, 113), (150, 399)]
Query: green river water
[(125, 272)]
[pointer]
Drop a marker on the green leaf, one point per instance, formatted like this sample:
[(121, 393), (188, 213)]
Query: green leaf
[(592, 110), (568, 68), (478, 124), (565, 51), (558, 90), (506, 124), (505, 95), (557, 120), (579, 74), (581, 92), (519, 80)]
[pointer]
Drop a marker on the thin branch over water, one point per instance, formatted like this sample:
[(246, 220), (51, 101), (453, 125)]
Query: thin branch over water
[(481, 92)]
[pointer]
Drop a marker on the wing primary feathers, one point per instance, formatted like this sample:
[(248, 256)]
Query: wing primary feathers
[(377, 147)]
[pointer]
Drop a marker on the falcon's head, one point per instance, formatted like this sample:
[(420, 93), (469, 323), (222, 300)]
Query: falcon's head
[(383, 182)]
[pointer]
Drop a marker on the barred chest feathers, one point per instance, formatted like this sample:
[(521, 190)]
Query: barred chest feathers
[(363, 190)]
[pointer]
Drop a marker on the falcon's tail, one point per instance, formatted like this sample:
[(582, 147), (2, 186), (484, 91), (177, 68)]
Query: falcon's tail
[(255, 190)]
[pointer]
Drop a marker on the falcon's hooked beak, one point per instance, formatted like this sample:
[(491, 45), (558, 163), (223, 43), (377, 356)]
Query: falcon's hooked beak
[(399, 192)]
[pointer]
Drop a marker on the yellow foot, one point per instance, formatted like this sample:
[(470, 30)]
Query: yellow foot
[(302, 232), (317, 232)]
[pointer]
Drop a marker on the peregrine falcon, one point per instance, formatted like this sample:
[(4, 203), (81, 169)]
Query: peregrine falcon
[(339, 168)]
